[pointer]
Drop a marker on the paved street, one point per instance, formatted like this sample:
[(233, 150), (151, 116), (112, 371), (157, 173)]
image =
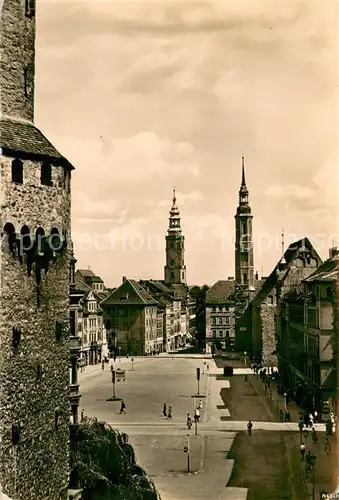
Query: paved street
[(221, 441), (159, 442)]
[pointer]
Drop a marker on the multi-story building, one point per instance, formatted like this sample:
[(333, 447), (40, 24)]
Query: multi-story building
[(257, 326), (220, 316), (307, 338), (175, 313), (75, 312), (34, 278), (131, 320), (94, 346)]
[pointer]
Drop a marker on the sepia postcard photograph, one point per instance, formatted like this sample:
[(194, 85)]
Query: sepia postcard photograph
[(169, 186)]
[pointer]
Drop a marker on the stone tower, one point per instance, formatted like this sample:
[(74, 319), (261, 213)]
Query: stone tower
[(34, 279), (244, 265), (175, 269)]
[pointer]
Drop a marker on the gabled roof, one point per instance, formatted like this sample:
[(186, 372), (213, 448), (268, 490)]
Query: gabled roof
[(81, 285), (130, 292), (328, 271), (290, 254), (220, 292), (88, 276), (22, 136)]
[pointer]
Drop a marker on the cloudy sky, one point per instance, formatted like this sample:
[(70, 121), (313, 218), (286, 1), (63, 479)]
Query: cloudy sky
[(143, 96)]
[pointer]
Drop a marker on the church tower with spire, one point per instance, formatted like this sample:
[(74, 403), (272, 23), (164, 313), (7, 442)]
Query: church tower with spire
[(175, 269), (244, 263)]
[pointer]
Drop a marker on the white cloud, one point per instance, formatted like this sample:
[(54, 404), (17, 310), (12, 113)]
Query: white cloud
[(290, 191)]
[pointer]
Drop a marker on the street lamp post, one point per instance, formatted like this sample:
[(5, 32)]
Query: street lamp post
[(245, 353), (285, 402), (132, 360)]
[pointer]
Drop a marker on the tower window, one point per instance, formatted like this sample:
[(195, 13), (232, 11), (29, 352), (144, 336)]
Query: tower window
[(172, 262), (30, 8), (244, 228), (17, 171), (245, 278), (183, 275), (46, 174), (172, 276)]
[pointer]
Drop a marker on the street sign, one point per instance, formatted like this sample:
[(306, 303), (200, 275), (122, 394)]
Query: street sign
[(120, 375), (198, 373), (185, 449)]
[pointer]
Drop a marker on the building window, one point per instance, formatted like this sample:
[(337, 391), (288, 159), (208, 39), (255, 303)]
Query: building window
[(46, 174), (221, 333), (172, 262), (244, 228), (227, 333), (220, 309), (183, 275), (227, 320), (220, 321), (329, 292), (17, 171), (172, 275), (214, 333), (245, 278), (213, 321), (213, 309)]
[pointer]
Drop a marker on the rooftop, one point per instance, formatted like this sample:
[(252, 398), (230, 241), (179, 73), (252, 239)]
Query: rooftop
[(130, 292), (220, 292), (23, 136)]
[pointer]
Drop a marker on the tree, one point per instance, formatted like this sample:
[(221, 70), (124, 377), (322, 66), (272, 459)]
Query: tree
[(103, 464)]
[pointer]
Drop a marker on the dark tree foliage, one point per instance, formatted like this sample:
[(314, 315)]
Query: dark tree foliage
[(103, 464)]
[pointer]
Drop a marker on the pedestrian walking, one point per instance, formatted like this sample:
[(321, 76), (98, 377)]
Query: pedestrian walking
[(208, 367), (327, 446), (314, 435), (315, 415), (169, 414), (122, 408), (112, 368), (249, 427), (102, 365), (302, 451), (164, 410), (82, 416), (310, 420), (189, 421)]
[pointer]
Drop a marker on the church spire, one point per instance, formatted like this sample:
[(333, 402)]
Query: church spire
[(175, 269), (174, 218), (243, 182)]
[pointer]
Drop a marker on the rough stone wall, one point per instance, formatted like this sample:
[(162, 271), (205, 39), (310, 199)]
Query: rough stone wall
[(38, 466), (17, 42), (267, 312)]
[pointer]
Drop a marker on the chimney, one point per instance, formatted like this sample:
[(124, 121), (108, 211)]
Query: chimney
[(333, 251), (231, 278), (124, 279), (256, 276)]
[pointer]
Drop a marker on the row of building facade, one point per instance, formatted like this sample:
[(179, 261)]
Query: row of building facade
[(287, 319), (137, 317)]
